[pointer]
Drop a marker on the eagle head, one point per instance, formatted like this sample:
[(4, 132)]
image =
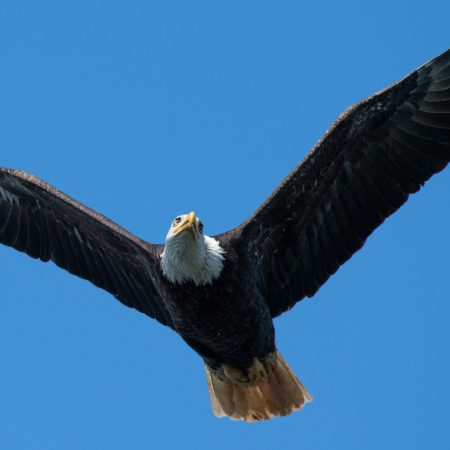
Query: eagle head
[(190, 255)]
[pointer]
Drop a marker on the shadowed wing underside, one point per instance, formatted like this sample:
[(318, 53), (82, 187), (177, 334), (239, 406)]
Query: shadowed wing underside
[(362, 170), (44, 223)]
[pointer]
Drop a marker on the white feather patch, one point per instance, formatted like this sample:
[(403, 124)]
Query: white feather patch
[(188, 259)]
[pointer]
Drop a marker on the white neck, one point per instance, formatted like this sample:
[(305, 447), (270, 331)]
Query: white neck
[(187, 259)]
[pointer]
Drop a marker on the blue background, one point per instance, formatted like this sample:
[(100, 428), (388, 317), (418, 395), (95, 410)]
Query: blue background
[(146, 109)]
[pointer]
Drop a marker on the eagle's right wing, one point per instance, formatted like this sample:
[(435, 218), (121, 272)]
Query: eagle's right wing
[(39, 220)]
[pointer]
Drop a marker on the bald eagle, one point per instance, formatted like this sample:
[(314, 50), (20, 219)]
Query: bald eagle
[(220, 293)]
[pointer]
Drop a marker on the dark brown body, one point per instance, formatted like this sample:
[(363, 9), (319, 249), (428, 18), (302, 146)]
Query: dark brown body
[(226, 322)]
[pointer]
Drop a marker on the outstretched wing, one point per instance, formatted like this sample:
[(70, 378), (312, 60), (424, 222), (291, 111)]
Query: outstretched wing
[(363, 169), (44, 223)]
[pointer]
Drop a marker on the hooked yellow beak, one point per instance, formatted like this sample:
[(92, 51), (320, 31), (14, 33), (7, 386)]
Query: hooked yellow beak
[(188, 223)]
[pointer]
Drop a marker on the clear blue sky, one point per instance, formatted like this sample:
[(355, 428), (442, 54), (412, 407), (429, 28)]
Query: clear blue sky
[(147, 109)]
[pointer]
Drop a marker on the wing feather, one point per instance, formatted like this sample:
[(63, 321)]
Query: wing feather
[(365, 167), (46, 224)]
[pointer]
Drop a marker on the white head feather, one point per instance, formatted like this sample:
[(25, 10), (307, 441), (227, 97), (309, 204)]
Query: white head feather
[(189, 255)]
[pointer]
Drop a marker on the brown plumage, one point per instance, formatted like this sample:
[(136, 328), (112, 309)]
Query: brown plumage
[(365, 167), (276, 392)]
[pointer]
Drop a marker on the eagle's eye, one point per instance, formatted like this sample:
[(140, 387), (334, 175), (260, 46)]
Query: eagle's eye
[(176, 221), (200, 227)]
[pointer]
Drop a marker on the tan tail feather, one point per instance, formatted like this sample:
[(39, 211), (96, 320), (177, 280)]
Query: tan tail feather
[(279, 393)]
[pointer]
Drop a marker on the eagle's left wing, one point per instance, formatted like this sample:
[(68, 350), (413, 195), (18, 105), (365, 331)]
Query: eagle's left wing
[(364, 168)]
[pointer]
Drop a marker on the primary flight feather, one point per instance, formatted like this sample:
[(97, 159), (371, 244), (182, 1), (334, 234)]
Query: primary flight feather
[(221, 293)]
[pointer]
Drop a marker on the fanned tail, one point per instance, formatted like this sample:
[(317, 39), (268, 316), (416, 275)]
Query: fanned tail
[(277, 393)]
